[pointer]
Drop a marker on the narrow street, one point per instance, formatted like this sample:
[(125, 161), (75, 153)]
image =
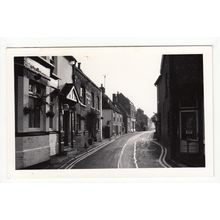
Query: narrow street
[(134, 150)]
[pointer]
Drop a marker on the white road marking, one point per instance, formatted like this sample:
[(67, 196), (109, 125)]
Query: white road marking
[(123, 148), (93, 150), (135, 159), (165, 154), (82, 157), (88, 153), (162, 155)]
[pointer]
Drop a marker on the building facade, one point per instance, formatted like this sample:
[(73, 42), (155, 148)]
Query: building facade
[(33, 82), (112, 119), (180, 116), (57, 108), (128, 111), (90, 108)]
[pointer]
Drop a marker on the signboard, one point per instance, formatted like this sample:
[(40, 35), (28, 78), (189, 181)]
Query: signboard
[(72, 95), (53, 83), (35, 66)]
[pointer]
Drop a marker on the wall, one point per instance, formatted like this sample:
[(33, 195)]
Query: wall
[(34, 150), (128, 111), (64, 71), (83, 109), (181, 77), (117, 122)]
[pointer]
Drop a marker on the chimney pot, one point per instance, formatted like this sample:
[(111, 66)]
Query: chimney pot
[(114, 98), (102, 89), (79, 65)]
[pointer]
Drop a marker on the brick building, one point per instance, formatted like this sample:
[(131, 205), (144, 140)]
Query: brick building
[(180, 116), (128, 111)]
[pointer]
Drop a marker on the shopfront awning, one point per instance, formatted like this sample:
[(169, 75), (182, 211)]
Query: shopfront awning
[(69, 92)]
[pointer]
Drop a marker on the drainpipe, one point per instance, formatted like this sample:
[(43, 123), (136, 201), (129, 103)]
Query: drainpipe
[(71, 127), (72, 112), (59, 125)]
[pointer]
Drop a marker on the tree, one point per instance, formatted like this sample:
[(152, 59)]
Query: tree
[(141, 120)]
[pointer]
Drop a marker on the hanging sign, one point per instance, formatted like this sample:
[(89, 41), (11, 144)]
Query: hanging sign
[(72, 95)]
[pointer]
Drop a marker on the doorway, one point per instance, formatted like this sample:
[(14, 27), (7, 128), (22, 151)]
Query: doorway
[(189, 140), (66, 128)]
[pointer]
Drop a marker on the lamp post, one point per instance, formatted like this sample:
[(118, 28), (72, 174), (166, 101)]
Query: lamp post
[(73, 108), (73, 64)]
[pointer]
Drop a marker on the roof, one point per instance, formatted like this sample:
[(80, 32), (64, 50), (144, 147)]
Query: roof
[(158, 80), (122, 106), (108, 104), (72, 58), (123, 110), (84, 75)]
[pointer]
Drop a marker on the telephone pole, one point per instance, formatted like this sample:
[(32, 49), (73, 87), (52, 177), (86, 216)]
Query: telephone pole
[(104, 80)]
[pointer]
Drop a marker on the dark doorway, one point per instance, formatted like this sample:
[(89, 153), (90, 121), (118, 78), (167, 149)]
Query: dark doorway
[(66, 128)]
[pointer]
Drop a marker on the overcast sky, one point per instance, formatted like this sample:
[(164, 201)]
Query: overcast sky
[(129, 70)]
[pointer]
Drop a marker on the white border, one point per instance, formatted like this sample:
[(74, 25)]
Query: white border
[(12, 174)]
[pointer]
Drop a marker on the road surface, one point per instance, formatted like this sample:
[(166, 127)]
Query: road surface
[(135, 150)]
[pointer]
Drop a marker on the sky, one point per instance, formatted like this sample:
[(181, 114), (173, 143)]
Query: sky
[(129, 70)]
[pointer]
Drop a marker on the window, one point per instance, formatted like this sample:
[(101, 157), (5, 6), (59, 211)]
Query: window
[(83, 95), (51, 110), (188, 125), (34, 116), (35, 90), (52, 59), (98, 104), (93, 100)]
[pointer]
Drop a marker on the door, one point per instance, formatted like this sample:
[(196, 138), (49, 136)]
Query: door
[(189, 141), (66, 128)]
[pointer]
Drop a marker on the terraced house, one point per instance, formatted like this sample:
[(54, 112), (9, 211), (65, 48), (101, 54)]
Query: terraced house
[(128, 111), (112, 121), (57, 108)]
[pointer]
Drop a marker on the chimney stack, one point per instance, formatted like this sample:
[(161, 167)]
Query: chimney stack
[(114, 98), (102, 89), (79, 66)]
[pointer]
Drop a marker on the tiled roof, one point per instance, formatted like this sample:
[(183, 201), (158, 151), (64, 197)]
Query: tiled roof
[(108, 104)]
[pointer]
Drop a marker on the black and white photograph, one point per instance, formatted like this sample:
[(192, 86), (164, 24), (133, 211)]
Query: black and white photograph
[(109, 108)]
